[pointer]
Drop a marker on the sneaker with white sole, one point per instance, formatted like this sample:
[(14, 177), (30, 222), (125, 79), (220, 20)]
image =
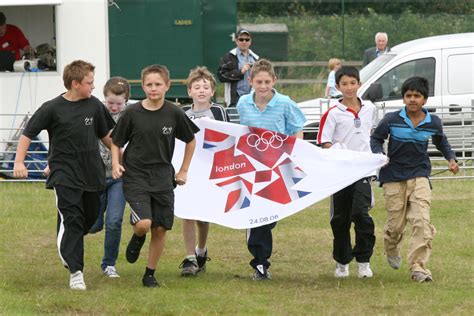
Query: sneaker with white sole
[(342, 270), (111, 272), (394, 261), (76, 281), (364, 270)]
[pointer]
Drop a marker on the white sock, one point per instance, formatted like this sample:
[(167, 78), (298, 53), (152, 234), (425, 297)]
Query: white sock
[(201, 251), (191, 258)]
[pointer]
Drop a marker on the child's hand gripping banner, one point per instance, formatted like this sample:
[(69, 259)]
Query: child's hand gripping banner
[(244, 177)]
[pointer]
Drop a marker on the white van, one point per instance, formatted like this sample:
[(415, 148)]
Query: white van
[(447, 61)]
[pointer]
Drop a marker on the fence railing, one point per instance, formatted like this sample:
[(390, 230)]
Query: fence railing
[(319, 64), (460, 132)]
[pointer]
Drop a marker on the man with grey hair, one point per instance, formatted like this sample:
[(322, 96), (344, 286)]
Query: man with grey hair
[(381, 40)]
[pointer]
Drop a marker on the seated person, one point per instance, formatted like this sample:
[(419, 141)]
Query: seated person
[(12, 39)]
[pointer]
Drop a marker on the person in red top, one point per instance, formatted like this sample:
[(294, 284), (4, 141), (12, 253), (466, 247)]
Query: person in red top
[(13, 39)]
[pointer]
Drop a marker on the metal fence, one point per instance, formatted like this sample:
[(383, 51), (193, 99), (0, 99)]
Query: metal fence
[(458, 127)]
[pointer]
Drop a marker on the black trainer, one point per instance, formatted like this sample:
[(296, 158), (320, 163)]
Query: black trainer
[(201, 260), (150, 281), (188, 267), (134, 246), (261, 274)]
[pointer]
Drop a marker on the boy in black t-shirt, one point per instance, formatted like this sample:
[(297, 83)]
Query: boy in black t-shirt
[(150, 128), (75, 121)]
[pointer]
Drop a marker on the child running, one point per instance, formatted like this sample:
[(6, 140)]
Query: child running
[(112, 200), (150, 128), (406, 187), (349, 124), (265, 108), (75, 121), (201, 87)]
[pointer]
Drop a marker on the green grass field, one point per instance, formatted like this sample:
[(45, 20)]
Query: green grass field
[(32, 280)]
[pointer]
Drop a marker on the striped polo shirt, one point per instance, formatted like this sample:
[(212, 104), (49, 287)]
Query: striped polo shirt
[(281, 114), (342, 125), (408, 145)]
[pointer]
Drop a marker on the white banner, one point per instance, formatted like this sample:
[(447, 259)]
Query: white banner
[(244, 177)]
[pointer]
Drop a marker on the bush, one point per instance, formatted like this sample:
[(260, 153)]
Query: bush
[(322, 37)]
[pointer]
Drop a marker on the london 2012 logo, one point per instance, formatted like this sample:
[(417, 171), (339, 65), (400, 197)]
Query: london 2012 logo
[(256, 163)]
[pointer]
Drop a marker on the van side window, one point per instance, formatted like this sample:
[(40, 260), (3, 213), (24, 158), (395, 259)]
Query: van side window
[(460, 68), (392, 80)]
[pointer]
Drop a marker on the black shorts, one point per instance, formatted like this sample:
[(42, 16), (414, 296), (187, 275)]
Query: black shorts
[(156, 206)]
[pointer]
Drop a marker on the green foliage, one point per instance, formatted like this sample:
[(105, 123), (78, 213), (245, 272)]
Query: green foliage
[(328, 7), (320, 37), (33, 282)]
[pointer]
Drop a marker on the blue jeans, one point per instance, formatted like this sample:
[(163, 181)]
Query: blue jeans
[(112, 204)]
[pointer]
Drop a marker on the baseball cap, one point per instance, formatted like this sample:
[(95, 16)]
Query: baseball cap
[(242, 31)]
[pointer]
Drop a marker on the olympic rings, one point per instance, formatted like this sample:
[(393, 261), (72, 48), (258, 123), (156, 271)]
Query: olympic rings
[(264, 141)]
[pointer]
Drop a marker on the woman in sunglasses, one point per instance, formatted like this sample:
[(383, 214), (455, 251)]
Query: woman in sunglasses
[(235, 67)]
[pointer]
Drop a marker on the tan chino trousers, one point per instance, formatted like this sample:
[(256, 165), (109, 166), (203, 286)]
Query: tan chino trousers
[(409, 201)]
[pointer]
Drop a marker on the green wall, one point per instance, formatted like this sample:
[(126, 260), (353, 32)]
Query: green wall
[(178, 34)]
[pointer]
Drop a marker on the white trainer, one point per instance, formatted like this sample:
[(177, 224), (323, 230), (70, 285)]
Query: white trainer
[(364, 270), (111, 272), (342, 270), (76, 281)]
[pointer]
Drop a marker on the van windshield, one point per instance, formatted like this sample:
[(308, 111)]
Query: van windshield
[(374, 66)]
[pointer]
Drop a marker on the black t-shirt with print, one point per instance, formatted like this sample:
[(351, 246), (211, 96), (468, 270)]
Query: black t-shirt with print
[(74, 128), (151, 139)]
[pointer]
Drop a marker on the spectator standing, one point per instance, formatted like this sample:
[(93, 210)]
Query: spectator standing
[(235, 66), (331, 90), (381, 47)]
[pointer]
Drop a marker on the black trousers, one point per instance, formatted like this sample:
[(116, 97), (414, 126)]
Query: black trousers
[(260, 244), (77, 212), (351, 205)]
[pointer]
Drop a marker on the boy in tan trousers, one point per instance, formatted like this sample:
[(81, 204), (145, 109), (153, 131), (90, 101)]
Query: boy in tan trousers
[(405, 182)]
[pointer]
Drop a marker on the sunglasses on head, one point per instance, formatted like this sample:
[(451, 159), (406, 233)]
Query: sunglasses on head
[(243, 39)]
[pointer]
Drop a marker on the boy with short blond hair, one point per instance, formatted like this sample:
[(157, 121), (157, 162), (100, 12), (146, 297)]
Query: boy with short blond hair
[(150, 128), (331, 89), (201, 87), (75, 121)]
